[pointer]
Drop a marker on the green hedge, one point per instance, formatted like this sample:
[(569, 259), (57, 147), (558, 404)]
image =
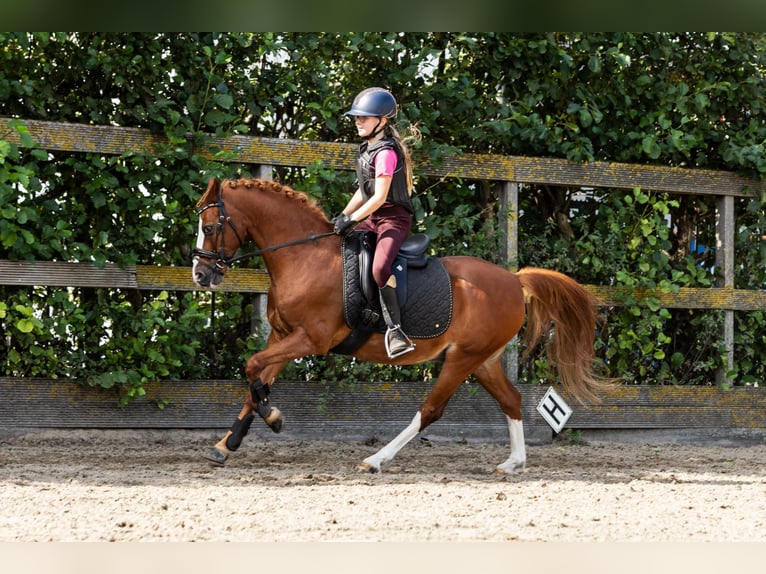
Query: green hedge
[(688, 100)]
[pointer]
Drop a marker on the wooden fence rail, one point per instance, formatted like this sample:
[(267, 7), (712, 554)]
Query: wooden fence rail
[(172, 278), (509, 172), (375, 409), (113, 140)]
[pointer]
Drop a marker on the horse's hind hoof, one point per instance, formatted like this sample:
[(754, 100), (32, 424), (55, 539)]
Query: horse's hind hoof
[(510, 467), (368, 468), (216, 456)]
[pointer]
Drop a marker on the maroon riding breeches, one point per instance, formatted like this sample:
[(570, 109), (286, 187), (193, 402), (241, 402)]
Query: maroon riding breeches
[(392, 225)]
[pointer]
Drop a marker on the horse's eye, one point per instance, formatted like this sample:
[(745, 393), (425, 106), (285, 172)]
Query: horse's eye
[(207, 229)]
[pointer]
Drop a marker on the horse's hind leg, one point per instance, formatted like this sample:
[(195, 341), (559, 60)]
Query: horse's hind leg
[(455, 370), (373, 463), (492, 377)]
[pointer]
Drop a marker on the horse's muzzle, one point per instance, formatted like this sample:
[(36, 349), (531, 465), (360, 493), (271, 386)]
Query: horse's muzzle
[(206, 275)]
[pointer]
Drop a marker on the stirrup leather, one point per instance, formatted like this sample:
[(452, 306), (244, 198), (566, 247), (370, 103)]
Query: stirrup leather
[(389, 336)]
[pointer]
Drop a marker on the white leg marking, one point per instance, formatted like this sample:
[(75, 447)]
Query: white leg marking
[(518, 459), (372, 463), (200, 241)]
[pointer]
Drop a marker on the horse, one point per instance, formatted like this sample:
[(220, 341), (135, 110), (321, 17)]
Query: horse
[(305, 309)]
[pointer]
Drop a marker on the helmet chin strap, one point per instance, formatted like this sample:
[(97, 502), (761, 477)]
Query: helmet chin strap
[(375, 131)]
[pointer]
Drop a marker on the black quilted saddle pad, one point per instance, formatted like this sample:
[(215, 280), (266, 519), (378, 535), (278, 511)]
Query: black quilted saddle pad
[(426, 313)]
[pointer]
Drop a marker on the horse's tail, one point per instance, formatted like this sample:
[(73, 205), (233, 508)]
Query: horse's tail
[(563, 313)]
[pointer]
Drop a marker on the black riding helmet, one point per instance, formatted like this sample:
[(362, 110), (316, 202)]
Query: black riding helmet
[(373, 102)]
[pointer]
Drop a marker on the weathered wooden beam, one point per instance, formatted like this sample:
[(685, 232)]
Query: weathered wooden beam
[(284, 152), (149, 277), (313, 410), (684, 298), (278, 151), (672, 407), (180, 279), (317, 410), (109, 140), (615, 175), (724, 261), (66, 274)]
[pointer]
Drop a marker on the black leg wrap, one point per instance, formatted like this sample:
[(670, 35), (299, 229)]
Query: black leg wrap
[(239, 430), (260, 395), (263, 409)]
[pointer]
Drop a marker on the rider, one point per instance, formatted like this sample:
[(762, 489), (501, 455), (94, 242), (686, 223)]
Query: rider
[(382, 201)]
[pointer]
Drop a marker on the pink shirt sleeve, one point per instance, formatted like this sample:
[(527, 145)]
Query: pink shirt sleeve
[(385, 163)]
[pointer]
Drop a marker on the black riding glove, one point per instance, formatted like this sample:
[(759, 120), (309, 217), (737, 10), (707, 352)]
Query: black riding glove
[(342, 223)]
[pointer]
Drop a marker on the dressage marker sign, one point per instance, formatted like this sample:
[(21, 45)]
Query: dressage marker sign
[(554, 410)]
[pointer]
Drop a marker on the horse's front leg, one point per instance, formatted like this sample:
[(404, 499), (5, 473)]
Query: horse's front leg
[(233, 437), (262, 370)]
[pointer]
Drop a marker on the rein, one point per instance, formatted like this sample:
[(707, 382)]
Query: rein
[(312, 237), (220, 258)]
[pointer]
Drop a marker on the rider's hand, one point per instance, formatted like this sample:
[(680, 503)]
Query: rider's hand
[(341, 223)]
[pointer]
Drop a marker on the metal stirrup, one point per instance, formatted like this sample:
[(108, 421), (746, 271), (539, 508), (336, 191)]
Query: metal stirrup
[(391, 328), (387, 340)]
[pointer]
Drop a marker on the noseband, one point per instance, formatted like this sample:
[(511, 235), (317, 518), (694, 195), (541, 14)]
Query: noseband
[(221, 261)]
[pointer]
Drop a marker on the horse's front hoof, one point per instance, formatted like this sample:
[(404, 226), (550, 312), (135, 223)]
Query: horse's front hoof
[(216, 456), (275, 420)]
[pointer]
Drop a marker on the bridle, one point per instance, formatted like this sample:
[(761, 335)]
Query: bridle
[(221, 260)]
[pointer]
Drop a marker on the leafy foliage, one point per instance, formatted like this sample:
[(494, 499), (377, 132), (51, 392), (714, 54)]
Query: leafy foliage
[(689, 100)]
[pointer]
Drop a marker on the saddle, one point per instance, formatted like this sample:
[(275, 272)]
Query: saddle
[(424, 290)]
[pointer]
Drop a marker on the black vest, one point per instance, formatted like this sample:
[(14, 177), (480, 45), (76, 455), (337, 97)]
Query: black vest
[(365, 173)]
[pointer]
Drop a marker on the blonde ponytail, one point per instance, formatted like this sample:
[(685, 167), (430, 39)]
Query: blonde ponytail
[(411, 137)]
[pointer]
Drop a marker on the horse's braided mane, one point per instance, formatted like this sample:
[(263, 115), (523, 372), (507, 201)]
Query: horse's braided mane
[(211, 194)]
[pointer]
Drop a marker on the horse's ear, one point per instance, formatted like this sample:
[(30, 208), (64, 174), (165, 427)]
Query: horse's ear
[(211, 193), (213, 187)]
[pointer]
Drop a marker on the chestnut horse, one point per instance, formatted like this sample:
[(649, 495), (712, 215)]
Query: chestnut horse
[(305, 310)]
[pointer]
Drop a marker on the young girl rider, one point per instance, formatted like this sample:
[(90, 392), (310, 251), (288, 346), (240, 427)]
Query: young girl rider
[(382, 201)]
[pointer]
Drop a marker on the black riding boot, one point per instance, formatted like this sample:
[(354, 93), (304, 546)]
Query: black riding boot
[(397, 343)]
